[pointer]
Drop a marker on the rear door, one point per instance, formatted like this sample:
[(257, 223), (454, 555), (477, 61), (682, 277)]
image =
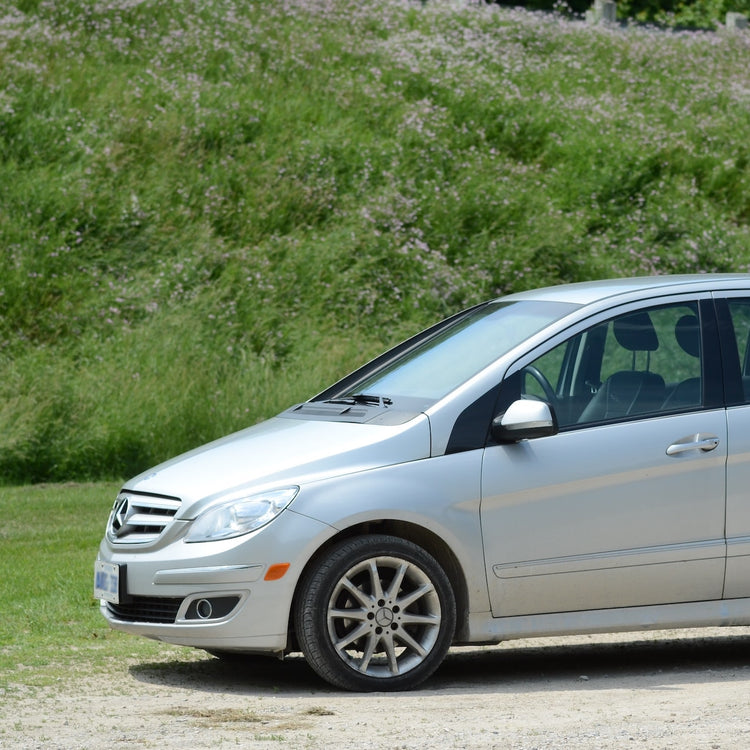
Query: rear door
[(734, 316), (625, 505)]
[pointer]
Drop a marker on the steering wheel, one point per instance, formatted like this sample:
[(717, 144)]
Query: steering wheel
[(549, 392)]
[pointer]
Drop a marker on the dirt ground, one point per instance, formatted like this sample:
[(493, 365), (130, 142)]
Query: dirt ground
[(676, 689)]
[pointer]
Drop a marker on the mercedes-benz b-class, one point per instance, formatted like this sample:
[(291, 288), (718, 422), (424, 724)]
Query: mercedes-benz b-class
[(568, 460)]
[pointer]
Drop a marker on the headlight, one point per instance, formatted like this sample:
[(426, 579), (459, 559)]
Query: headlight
[(240, 515)]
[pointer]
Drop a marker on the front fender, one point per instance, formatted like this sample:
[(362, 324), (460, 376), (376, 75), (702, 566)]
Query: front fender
[(439, 494)]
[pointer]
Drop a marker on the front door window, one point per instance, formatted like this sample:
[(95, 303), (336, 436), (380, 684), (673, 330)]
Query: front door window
[(639, 363)]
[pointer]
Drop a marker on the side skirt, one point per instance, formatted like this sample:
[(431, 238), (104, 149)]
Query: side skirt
[(483, 628)]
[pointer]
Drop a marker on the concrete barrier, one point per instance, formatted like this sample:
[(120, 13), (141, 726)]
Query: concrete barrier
[(736, 21), (603, 11)]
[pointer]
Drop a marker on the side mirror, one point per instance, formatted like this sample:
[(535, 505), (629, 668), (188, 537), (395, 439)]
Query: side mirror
[(523, 420)]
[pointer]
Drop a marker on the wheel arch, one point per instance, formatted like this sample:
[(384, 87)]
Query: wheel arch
[(428, 540)]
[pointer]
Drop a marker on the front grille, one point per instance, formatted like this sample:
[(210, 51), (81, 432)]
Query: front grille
[(137, 519), (146, 609)]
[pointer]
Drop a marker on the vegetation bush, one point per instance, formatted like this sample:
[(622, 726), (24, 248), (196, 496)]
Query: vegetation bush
[(689, 14), (211, 209), (685, 14)]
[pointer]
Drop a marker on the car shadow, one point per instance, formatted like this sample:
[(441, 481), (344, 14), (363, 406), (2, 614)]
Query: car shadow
[(523, 666), (240, 675), (648, 663)]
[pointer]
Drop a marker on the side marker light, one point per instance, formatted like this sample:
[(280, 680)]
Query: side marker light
[(276, 571)]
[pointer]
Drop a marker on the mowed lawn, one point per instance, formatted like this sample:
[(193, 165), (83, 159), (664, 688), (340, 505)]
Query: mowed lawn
[(51, 627)]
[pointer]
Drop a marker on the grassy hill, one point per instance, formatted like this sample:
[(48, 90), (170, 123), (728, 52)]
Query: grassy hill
[(211, 209)]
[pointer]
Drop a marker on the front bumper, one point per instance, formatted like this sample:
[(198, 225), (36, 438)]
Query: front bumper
[(213, 595)]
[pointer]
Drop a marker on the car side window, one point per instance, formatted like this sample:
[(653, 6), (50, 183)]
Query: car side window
[(739, 311), (641, 363)]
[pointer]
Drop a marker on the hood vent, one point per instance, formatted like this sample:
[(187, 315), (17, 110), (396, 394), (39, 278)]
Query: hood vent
[(343, 412)]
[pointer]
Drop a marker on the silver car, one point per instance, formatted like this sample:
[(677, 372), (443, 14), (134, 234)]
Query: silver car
[(568, 460)]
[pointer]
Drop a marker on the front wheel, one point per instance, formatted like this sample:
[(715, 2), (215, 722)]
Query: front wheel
[(376, 613)]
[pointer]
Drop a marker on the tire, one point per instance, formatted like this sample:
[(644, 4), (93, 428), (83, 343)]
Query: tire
[(376, 613)]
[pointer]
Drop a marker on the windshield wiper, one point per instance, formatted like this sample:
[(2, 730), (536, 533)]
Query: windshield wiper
[(361, 398)]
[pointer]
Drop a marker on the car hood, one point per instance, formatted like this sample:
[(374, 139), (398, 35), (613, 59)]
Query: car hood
[(278, 453)]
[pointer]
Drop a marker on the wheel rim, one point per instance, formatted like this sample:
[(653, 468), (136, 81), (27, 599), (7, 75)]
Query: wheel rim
[(384, 616)]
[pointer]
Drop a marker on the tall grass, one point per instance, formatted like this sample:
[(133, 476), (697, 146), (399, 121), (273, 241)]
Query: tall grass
[(209, 210)]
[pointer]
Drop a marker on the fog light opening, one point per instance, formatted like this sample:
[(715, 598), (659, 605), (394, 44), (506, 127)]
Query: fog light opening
[(204, 609)]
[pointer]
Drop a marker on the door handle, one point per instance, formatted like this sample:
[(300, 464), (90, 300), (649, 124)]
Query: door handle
[(699, 442)]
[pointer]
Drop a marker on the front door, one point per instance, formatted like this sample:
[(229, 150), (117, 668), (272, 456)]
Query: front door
[(625, 505)]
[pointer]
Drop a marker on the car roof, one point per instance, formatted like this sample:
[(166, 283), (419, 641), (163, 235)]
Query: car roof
[(588, 292)]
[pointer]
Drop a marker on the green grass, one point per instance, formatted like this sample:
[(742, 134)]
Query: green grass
[(210, 210), (51, 629)]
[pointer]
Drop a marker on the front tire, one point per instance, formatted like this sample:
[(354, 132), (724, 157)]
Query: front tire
[(376, 613)]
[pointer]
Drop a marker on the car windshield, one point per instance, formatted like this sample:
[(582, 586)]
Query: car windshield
[(437, 365)]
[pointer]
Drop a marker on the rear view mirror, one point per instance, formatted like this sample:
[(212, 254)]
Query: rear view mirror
[(523, 420)]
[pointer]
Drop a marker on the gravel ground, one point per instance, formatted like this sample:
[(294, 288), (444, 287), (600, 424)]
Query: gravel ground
[(676, 689)]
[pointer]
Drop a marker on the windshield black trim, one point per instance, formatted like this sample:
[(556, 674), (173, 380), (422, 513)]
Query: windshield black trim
[(471, 430)]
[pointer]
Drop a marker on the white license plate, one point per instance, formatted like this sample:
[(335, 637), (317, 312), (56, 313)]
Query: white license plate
[(107, 581)]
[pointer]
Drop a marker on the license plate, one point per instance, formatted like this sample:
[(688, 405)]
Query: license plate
[(107, 581)]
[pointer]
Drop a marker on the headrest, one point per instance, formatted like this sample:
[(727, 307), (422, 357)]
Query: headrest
[(636, 333), (687, 333)]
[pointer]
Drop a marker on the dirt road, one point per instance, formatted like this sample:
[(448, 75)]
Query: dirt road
[(679, 689)]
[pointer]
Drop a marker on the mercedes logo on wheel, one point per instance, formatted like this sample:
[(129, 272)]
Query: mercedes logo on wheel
[(384, 617)]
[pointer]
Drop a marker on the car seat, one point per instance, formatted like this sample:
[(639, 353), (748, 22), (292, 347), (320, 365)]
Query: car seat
[(631, 391), (687, 392)]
